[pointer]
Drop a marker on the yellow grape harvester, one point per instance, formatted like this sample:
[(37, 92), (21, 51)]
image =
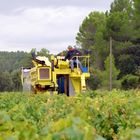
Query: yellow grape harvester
[(55, 75)]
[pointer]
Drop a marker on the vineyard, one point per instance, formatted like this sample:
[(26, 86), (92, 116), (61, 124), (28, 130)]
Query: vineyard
[(94, 115)]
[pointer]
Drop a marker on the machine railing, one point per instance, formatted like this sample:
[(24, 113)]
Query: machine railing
[(84, 60)]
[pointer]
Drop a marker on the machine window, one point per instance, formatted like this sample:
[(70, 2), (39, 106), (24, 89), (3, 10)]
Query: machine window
[(44, 73)]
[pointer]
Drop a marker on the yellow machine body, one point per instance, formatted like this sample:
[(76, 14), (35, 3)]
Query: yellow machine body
[(55, 75)]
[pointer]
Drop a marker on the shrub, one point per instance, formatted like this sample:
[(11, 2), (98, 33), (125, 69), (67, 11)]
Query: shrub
[(130, 81), (93, 82)]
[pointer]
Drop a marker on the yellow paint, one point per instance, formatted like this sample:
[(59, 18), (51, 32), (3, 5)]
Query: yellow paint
[(61, 67), (76, 84)]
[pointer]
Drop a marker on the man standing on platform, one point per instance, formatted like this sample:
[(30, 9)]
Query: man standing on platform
[(73, 60)]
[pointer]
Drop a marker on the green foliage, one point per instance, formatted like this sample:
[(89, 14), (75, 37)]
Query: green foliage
[(119, 26), (11, 63), (121, 6), (43, 52), (136, 20), (122, 23), (107, 67), (127, 60), (94, 81), (70, 129), (91, 36), (119, 23), (126, 63), (105, 75), (97, 115), (88, 29), (130, 81), (15, 75), (5, 81)]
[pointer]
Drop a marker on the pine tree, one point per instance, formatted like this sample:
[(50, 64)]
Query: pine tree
[(106, 74)]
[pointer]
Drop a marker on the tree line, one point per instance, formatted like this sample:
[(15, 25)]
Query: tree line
[(11, 64), (121, 23)]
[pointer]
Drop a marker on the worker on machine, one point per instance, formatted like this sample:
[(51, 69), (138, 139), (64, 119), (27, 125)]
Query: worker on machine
[(73, 60)]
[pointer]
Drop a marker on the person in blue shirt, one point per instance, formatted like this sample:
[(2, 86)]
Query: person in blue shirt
[(73, 60)]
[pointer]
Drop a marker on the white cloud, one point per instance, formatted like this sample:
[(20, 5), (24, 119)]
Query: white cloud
[(37, 27), (8, 5)]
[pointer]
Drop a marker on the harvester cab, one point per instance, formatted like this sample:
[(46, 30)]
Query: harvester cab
[(55, 75)]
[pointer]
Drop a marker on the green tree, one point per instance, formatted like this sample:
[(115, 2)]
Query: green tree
[(130, 81), (16, 79), (10, 62), (128, 60), (119, 20), (86, 35), (104, 75), (119, 26), (43, 52), (5, 81), (136, 21), (121, 6), (91, 36)]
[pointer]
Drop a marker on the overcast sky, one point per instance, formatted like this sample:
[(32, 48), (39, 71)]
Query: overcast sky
[(50, 24)]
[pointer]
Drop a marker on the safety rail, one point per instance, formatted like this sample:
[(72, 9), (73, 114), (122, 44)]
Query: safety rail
[(84, 60)]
